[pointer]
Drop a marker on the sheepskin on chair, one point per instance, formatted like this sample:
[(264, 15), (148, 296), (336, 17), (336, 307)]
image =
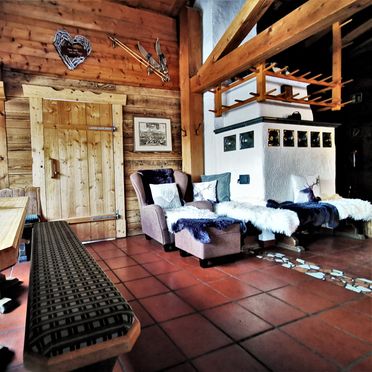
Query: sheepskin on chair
[(279, 221)]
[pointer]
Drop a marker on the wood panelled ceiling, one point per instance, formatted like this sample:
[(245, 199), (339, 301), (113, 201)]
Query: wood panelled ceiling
[(168, 7)]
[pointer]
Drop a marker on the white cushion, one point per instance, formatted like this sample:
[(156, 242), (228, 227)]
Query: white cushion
[(302, 182), (166, 195), (205, 190)]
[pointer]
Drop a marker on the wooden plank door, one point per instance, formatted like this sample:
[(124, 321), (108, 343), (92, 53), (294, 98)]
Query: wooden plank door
[(78, 154)]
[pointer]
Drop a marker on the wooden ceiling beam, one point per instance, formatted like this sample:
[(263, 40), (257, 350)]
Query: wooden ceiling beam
[(308, 19), (250, 13)]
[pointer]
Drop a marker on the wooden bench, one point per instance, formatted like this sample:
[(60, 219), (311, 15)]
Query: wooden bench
[(75, 315)]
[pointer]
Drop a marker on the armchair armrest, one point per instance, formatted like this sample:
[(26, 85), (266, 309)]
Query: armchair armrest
[(154, 224), (154, 214), (201, 204)]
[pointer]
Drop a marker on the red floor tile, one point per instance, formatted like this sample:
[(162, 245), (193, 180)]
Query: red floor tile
[(166, 306), (303, 300), (119, 262), (102, 246), (126, 274), (188, 263), (94, 254), (112, 277), (146, 287), (136, 249), (201, 296), (103, 265), (146, 257), (236, 321), (153, 351), (195, 335), (160, 267), (245, 265), (271, 309), (358, 325), (262, 281), (234, 289), (289, 276), (328, 341), (231, 358), (330, 291), (143, 316), (110, 253), (124, 291), (178, 279), (363, 366), (207, 274), (281, 353), (362, 305)]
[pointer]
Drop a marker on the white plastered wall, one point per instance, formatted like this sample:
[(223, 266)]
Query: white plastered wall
[(269, 168)]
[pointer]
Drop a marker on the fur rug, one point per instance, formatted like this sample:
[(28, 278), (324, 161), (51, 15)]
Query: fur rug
[(276, 220), (188, 211), (198, 228), (356, 209)]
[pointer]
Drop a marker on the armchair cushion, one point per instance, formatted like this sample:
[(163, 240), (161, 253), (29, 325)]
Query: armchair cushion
[(166, 195), (223, 185), (205, 190), (155, 176)]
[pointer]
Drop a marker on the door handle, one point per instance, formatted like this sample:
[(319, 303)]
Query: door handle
[(54, 166)]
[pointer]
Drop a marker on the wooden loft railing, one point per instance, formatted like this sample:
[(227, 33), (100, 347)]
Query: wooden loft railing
[(261, 71)]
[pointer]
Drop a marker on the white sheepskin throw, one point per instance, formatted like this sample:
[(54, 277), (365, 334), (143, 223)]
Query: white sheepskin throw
[(188, 211), (280, 221), (356, 209)]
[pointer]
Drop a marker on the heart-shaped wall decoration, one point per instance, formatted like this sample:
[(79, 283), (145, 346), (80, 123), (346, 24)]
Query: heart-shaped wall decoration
[(72, 50)]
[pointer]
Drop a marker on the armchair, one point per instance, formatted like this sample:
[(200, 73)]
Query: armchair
[(153, 220)]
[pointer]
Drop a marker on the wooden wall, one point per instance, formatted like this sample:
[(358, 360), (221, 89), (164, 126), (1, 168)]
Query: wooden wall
[(28, 29), (28, 55)]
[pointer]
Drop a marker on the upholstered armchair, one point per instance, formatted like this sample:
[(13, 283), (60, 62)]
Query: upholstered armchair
[(153, 218)]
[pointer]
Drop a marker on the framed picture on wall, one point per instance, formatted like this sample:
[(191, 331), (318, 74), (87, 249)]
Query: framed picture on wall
[(152, 134)]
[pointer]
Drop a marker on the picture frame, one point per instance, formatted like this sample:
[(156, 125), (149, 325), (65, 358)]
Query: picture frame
[(152, 134)]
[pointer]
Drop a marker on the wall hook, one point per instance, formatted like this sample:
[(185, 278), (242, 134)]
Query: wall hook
[(183, 132), (197, 129)]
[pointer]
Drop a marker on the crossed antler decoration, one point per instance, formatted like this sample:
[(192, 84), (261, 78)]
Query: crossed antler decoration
[(145, 58)]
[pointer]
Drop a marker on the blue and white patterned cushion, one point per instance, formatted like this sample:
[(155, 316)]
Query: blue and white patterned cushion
[(166, 195), (205, 190)]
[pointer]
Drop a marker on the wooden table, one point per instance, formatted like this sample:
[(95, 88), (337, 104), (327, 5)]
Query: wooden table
[(12, 219)]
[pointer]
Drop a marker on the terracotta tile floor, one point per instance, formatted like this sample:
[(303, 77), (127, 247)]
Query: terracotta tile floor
[(247, 315)]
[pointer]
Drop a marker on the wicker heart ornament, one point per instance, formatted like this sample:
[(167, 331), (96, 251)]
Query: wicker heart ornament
[(72, 50)]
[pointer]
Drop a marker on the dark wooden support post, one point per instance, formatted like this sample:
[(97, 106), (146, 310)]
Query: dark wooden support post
[(4, 179), (191, 103), (336, 66)]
